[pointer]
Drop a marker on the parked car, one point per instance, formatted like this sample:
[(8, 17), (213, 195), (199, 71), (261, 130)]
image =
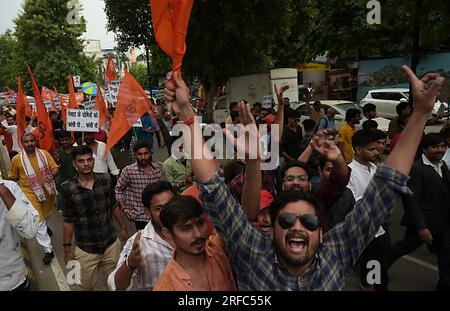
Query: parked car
[(341, 107), (387, 99)]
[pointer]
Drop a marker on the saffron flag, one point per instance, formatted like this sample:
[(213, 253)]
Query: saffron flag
[(132, 103), (101, 106), (72, 98), (44, 130), (111, 74), (21, 112), (170, 23)]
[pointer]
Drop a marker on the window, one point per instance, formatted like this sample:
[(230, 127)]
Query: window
[(222, 104), (395, 96), (378, 95)]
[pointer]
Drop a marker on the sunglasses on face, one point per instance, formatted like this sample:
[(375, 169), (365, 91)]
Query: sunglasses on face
[(287, 220)]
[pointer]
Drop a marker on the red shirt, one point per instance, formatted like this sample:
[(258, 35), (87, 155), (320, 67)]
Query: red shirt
[(8, 139), (101, 136)]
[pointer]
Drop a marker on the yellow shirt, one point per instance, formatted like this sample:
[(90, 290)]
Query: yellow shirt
[(17, 173), (345, 137)]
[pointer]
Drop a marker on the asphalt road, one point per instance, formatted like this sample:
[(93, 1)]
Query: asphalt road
[(418, 271)]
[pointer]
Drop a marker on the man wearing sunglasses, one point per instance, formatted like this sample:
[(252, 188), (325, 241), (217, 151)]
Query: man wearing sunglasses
[(296, 176), (300, 257)]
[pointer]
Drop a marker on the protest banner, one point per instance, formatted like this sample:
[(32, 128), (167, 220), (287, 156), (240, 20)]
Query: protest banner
[(82, 120), (267, 101)]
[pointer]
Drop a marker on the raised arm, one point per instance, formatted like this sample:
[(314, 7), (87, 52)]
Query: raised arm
[(176, 91), (424, 92), (351, 236), (279, 119)]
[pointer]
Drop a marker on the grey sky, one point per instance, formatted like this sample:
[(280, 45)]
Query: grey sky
[(93, 12)]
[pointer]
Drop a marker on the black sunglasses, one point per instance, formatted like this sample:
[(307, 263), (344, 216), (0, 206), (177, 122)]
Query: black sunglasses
[(310, 222)]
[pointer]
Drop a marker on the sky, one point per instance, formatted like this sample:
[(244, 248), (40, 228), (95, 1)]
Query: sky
[(93, 12)]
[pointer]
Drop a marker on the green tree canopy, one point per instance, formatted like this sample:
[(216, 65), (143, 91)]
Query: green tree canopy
[(50, 45)]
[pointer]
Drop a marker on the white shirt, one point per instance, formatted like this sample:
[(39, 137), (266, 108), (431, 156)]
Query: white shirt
[(437, 168), (13, 130), (157, 253), (21, 220), (360, 178), (446, 158), (103, 164)]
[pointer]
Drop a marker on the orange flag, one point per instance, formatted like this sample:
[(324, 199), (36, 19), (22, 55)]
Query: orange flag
[(170, 23), (53, 103), (44, 131), (20, 111), (111, 70), (72, 98), (132, 103), (101, 106)]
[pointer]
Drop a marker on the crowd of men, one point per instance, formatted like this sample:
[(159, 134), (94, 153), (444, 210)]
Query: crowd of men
[(208, 224)]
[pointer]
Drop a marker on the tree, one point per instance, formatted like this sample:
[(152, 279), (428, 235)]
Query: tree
[(51, 46), (130, 21), (139, 72), (343, 30), (9, 62)]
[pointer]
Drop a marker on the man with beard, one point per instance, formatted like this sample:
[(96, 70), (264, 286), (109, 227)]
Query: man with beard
[(34, 169), (427, 216), (365, 146), (88, 205), (104, 161), (146, 254), (296, 176), (133, 180), (300, 256), (200, 261)]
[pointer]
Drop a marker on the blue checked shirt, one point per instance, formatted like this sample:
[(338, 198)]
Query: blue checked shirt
[(253, 254)]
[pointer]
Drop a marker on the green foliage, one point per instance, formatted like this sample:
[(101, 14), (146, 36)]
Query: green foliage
[(139, 72), (50, 45), (9, 62)]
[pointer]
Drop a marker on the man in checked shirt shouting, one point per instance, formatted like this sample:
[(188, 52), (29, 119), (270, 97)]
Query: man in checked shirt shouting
[(300, 257)]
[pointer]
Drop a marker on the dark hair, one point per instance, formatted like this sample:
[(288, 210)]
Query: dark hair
[(284, 198), (317, 102), (402, 119), (309, 124), (351, 113), (180, 209), (78, 135), (370, 124), (431, 139), (362, 138), (257, 104), (234, 115), (400, 107), (63, 134), (141, 144), (445, 132), (155, 188), (369, 108), (295, 163), (80, 150), (322, 161), (292, 114), (232, 105), (52, 113)]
